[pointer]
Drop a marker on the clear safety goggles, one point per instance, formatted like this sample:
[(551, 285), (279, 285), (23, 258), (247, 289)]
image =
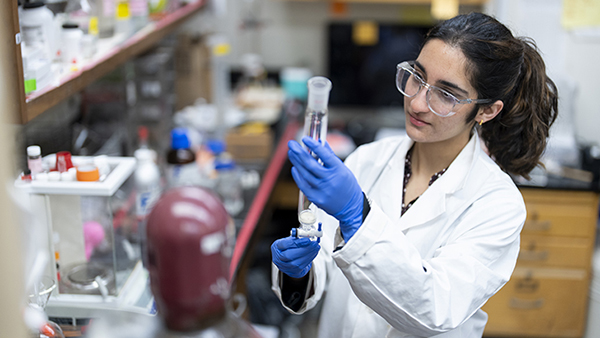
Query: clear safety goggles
[(439, 101)]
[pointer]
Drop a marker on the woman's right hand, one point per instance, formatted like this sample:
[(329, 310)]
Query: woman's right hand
[(294, 256)]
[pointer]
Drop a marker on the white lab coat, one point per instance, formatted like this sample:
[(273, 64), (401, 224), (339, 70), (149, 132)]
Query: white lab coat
[(428, 272)]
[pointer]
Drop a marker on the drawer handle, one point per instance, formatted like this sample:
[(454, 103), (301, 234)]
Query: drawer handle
[(538, 225), (533, 255), (527, 285), (526, 304)]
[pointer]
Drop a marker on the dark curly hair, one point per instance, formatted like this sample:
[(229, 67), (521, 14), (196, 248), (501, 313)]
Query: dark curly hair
[(507, 68)]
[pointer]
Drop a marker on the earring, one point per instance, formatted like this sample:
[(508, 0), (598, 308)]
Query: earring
[(481, 122)]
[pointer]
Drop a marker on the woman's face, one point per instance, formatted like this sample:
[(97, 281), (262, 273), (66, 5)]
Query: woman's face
[(443, 66)]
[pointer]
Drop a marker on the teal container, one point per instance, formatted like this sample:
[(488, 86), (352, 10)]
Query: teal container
[(294, 82)]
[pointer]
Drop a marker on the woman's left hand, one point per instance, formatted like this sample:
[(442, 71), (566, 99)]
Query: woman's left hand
[(331, 186)]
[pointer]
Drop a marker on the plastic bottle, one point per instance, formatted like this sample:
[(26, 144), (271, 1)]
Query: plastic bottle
[(181, 161), (71, 51), (123, 23), (34, 159), (104, 12), (147, 181), (147, 189), (229, 185), (139, 10), (38, 28), (89, 42)]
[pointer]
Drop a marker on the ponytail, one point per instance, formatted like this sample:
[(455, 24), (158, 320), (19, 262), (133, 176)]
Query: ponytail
[(503, 67), (517, 137)]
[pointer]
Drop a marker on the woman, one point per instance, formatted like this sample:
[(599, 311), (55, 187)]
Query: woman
[(420, 232)]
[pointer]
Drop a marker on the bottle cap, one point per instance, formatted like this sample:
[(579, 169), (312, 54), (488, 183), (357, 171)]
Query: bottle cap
[(88, 173), (63, 161), (41, 177), (224, 164), (179, 139), (34, 151), (216, 146), (30, 5), (66, 176), (54, 176), (70, 25), (143, 133)]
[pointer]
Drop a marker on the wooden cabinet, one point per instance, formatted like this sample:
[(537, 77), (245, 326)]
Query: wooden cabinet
[(547, 295)]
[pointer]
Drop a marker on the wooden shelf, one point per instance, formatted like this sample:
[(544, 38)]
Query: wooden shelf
[(42, 100)]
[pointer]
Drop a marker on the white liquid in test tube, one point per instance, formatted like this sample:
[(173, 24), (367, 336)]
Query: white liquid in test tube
[(315, 126)]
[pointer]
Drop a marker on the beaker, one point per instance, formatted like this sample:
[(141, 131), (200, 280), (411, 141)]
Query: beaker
[(41, 291), (315, 127), (38, 298)]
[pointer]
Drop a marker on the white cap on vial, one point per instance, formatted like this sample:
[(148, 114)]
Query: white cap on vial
[(34, 151), (318, 92), (54, 176)]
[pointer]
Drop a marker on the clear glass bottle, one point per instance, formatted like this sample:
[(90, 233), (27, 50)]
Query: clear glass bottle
[(181, 161), (104, 13), (315, 126), (229, 186)]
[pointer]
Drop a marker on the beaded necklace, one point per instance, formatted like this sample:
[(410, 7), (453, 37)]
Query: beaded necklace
[(408, 173)]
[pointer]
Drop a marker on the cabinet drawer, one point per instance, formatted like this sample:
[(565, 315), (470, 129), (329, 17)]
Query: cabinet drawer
[(540, 303), (555, 252), (560, 219)]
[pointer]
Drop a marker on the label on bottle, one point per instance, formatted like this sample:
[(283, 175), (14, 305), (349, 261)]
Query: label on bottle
[(35, 165), (139, 7), (30, 85), (145, 200), (182, 174), (93, 26), (33, 35)]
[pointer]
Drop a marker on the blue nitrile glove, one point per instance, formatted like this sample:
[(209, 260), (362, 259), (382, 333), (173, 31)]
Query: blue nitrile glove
[(331, 186), (293, 256)]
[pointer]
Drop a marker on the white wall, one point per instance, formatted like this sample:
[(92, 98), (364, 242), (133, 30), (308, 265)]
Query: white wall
[(571, 58), (293, 34)]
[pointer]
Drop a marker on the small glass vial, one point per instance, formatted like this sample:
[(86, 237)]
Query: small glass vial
[(26, 176), (34, 159), (229, 185)]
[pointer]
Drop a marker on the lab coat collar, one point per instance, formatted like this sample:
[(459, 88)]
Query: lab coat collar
[(432, 203)]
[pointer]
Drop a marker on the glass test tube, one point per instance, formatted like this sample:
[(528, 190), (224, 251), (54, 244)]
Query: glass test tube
[(315, 126)]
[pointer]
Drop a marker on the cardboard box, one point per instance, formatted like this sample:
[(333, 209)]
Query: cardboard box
[(192, 70), (249, 144)]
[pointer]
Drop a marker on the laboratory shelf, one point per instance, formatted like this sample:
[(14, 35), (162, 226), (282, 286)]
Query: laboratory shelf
[(40, 101)]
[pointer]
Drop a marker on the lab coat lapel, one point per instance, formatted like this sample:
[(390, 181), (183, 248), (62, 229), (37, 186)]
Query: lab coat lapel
[(433, 202), (388, 188)]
